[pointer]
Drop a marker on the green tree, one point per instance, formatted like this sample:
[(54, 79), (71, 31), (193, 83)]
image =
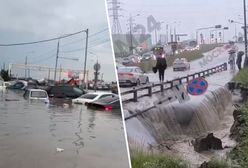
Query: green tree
[(5, 75)]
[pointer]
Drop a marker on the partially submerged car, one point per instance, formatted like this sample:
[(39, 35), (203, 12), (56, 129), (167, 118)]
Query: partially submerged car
[(65, 91), (181, 64), (90, 97), (36, 94), (108, 103)]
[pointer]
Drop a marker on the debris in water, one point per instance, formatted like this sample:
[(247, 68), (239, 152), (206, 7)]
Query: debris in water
[(65, 105), (59, 149), (204, 144), (12, 100)]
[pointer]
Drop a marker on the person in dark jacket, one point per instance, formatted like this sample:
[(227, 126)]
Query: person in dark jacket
[(161, 63), (239, 59)]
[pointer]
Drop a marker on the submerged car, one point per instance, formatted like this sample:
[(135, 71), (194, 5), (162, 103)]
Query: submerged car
[(90, 97), (36, 94), (108, 103), (181, 64), (65, 91), (132, 76)]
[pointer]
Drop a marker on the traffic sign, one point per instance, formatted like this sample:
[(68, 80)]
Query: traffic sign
[(197, 86), (97, 67)]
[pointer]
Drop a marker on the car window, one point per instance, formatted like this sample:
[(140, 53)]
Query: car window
[(104, 96), (39, 94), (89, 96), (107, 100), (125, 70)]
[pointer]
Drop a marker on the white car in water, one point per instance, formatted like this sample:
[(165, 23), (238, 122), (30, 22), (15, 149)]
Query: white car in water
[(36, 94), (181, 64), (91, 97)]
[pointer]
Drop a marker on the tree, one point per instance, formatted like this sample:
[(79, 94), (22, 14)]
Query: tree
[(5, 75)]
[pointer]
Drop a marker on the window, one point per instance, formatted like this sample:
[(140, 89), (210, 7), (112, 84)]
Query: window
[(88, 96), (38, 94)]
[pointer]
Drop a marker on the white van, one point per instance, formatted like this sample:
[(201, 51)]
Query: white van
[(36, 94)]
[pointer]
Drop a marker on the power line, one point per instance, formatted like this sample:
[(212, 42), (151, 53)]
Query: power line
[(41, 41)]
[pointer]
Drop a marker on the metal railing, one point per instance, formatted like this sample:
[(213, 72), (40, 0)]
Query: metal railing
[(169, 84)]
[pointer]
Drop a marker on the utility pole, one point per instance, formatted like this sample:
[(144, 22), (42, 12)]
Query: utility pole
[(26, 62), (56, 64), (245, 34), (85, 56), (60, 70), (116, 27), (131, 36), (167, 34)]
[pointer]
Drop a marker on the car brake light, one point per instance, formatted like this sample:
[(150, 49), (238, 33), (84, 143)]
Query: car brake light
[(108, 108), (129, 74)]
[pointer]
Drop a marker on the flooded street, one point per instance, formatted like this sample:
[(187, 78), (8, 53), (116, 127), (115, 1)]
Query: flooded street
[(31, 134)]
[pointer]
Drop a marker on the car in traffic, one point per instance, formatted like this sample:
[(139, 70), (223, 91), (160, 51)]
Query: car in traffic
[(90, 97), (36, 94), (108, 103), (132, 76), (148, 56), (181, 64), (65, 91)]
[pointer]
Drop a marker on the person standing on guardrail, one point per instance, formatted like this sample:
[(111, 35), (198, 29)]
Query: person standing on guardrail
[(231, 59), (161, 63), (239, 59)]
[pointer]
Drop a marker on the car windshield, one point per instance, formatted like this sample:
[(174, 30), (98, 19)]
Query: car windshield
[(39, 94), (88, 96), (107, 100), (125, 70), (179, 60)]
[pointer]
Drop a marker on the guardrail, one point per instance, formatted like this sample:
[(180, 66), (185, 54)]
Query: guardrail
[(170, 84)]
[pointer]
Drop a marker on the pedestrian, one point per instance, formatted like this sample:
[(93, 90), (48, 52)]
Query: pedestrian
[(161, 63), (239, 59), (231, 59)]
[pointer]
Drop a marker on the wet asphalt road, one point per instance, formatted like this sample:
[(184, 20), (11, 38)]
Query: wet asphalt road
[(30, 132)]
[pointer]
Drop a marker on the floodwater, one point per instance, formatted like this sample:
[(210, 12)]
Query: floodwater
[(31, 132)]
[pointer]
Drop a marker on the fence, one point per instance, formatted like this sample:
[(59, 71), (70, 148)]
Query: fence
[(170, 84)]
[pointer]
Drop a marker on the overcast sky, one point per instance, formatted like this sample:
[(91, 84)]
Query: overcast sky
[(31, 20), (185, 15)]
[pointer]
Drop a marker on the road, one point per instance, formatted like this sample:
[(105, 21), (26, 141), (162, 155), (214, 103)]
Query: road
[(215, 57)]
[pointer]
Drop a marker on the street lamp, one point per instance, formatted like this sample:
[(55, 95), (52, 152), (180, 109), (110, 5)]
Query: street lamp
[(206, 28), (131, 28)]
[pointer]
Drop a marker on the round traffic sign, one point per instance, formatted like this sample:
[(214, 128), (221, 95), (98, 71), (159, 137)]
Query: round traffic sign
[(97, 67), (197, 86)]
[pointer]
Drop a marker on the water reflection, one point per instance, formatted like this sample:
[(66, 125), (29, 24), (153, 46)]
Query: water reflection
[(89, 138)]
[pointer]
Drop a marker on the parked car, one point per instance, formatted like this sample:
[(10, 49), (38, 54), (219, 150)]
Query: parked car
[(65, 91), (108, 103), (90, 97), (132, 76), (36, 94), (181, 64)]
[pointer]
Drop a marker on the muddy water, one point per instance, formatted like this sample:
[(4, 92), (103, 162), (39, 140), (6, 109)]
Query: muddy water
[(31, 132)]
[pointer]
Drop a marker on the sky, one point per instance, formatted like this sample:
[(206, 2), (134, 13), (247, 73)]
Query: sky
[(184, 15), (34, 20)]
